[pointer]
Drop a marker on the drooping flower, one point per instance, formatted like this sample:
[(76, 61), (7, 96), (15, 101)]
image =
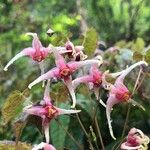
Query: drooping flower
[(135, 140), (37, 52), (94, 80), (47, 111), (64, 71), (119, 93), (75, 52), (44, 146)]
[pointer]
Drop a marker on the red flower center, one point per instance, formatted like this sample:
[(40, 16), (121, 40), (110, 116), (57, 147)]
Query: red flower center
[(65, 72), (50, 112), (39, 56), (98, 82), (132, 141), (123, 96)]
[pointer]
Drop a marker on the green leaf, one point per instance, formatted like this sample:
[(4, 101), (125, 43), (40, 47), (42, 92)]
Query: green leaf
[(13, 106), (121, 43), (147, 57), (137, 56), (60, 92), (59, 39), (11, 145), (87, 107), (138, 45), (90, 42), (35, 120), (18, 127)]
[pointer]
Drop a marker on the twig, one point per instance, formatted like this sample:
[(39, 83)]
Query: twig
[(99, 134), (83, 128), (73, 139)]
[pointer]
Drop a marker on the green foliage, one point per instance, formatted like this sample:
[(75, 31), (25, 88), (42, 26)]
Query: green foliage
[(118, 23), (18, 127), (90, 42), (10, 145), (139, 44), (13, 106)]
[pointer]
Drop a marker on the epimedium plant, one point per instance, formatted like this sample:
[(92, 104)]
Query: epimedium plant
[(74, 66)]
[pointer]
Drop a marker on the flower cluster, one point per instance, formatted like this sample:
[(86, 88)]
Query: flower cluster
[(63, 71)]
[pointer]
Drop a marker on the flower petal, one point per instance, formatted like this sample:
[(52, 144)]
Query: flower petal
[(50, 74), (36, 110), (116, 74), (76, 65), (125, 147), (69, 85), (65, 111), (79, 80), (24, 52), (44, 146), (127, 71), (46, 131), (36, 44), (109, 105), (59, 60)]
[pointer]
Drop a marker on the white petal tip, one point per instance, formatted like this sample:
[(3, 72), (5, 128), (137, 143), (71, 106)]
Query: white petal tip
[(72, 106), (146, 63), (31, 34), (77, 111), (5, 69), (29, 86), (114, 138)]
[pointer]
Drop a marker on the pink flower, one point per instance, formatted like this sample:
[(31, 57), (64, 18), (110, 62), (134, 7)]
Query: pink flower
[(44, 146), (47, 111), (75, 52), (119, 93), (135, 140), (37, 52), (93, 80), (64, 71)]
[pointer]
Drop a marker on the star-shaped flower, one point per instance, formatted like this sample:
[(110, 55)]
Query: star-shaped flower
[(37, 52), (119, 93), (47, 111)]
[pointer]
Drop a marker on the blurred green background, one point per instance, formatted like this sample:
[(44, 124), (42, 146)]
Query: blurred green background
[(122, 23)]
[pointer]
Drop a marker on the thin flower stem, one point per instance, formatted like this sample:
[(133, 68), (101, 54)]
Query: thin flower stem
[(99, 133), (140, 82), (83, 128), (73, 139), (95, 112), (97, 127), (137, 81), (129, 107)]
